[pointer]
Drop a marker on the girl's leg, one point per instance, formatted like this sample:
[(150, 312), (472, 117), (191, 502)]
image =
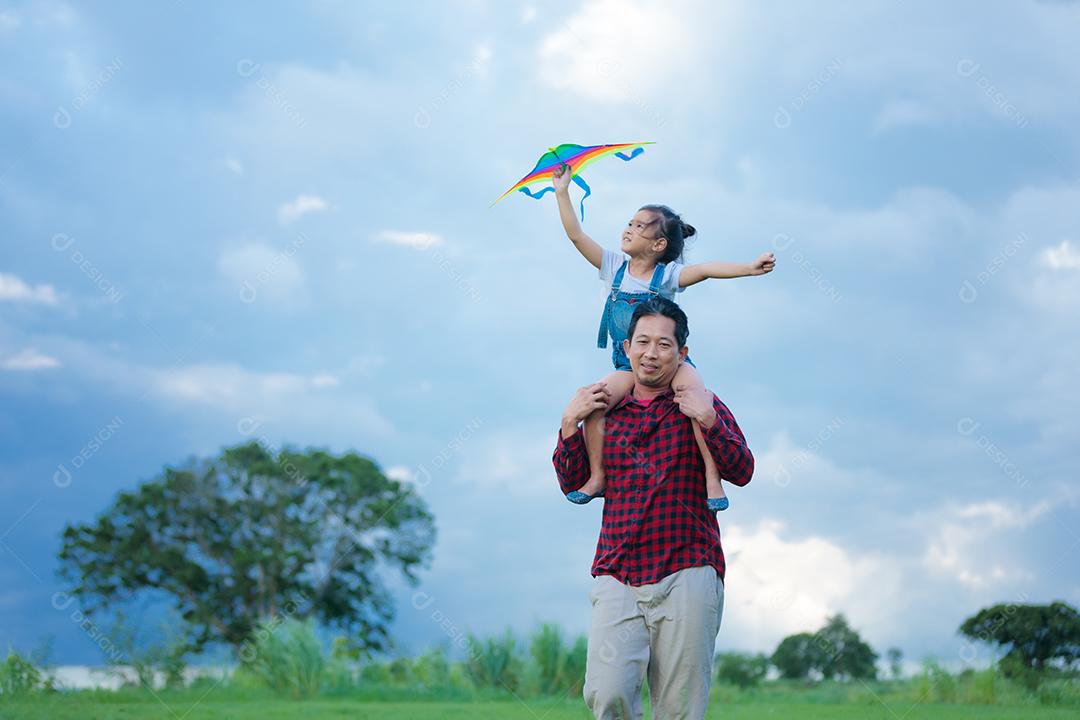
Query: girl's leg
[(619, 383), (687, 375)]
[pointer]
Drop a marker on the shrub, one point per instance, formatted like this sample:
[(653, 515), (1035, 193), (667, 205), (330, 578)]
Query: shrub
[(741, 669), (432, 670), (18, 675), (983, 687), (575, 666), (557, 669), (287, 658), (494, 663), (935, 683), (1061, 691)]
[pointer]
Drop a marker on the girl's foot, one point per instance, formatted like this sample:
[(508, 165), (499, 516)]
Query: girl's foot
[(718, 504), (594, 488), (717, 498)]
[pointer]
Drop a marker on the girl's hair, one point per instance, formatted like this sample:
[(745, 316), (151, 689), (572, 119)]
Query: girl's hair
[(671, 226)]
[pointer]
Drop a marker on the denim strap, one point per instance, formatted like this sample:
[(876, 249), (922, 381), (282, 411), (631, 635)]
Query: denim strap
[(657, 279), (605, 317)]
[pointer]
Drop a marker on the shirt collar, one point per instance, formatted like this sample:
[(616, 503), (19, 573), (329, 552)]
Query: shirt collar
[(629, 398)]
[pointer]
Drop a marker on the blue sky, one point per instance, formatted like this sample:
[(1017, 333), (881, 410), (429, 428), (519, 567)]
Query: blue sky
[(224, 221)]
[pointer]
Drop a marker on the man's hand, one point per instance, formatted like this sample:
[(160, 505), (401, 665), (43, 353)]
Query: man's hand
[(696, 403), (763, 264), (560, 177), (585, 401)]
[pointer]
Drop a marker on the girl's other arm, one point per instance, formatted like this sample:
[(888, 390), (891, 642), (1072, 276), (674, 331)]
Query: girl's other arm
[(585, 245), (692, 274)]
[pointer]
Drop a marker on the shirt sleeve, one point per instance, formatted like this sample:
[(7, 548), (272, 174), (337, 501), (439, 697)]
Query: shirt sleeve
[(727, 444), (571, 461), (670, 285), (609, 264)]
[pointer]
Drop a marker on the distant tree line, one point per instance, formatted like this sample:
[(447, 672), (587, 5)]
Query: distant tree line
[(1037, 642), (258, 536)]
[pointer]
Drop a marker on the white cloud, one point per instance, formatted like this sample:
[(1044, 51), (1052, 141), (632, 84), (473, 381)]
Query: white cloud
[(509, 461), (1062, 257), (410, 239), (233, 165), (230, 386), (903, 113), (617, 51), (790, 466), (261, 272), (30, 359), (913, 220), (9, 20), (777, 586), (304, 204), (400, 473), (270, 400), (958, 538), (481, 57), (1000, 515), (13, 288), (324, 380)]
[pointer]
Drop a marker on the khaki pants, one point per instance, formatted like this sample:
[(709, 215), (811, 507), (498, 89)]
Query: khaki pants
[(666, 630)]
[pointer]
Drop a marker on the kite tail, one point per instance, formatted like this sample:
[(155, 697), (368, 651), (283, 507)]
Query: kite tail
[(584, 186), (535, 196), (623, 156)]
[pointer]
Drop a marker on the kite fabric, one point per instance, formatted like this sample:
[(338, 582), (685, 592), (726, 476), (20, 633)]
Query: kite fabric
[(578, 157)]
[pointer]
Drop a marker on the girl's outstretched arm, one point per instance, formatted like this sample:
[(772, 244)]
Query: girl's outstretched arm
[(585, 245), (692, 274)]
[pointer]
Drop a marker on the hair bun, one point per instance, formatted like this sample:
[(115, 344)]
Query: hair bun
[(688, 230)]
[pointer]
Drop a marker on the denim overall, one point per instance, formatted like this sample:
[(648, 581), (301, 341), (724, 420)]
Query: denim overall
[(618, 310)]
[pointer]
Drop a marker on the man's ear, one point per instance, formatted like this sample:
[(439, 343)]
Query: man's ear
[(626, 347), (683, 352)]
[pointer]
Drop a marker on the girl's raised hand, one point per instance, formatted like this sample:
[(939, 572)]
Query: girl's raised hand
[(560, 177), (763, 264)]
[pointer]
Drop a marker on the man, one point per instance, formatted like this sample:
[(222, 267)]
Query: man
[(658, 595)]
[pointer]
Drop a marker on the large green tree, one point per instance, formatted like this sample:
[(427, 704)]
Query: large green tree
[(256, 535), (834, 651), (844, 654), (796, 656), (1034, 635)]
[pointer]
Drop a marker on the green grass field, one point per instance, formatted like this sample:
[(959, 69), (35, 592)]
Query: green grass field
[(224, 705)]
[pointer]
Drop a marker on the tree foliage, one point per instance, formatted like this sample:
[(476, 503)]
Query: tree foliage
[(559, 666), (742, 669), (896, 659), (834, 651), (1033, 635), (253, 536), (796, 656)]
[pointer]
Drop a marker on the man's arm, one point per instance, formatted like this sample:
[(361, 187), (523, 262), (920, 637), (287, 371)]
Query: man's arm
[(727, 444), (722, 434), (571, 459)]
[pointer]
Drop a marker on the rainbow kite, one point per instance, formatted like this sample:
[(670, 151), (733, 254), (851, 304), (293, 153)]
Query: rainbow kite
[(578, 157)]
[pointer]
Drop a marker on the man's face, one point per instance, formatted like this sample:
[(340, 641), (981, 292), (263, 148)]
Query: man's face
[(654, 354)]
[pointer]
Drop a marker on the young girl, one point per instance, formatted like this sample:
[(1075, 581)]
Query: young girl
[(652, 244)]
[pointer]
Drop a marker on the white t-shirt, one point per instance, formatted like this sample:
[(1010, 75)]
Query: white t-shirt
[(613, 260)]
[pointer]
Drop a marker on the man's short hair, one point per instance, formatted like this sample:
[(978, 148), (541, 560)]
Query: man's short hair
[(662, 306)]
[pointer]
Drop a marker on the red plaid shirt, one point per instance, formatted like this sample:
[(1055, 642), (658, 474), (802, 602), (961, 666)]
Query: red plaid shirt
[(655, 517)]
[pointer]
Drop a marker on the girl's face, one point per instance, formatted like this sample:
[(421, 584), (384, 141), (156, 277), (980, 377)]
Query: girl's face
[(639, 238)]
